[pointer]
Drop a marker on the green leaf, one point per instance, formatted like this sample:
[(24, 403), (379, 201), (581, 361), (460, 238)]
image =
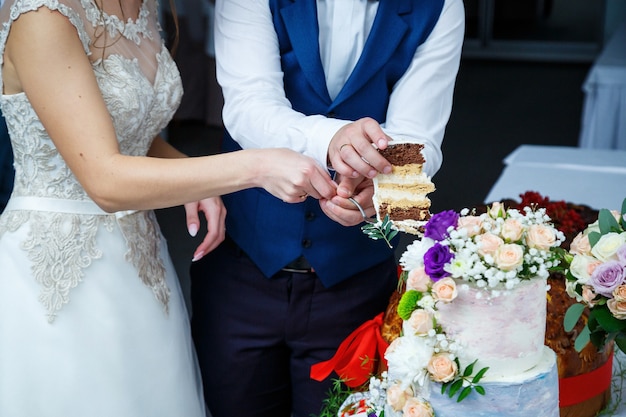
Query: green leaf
[(620, 341), (470, 368), (572, 315), (593, 238), (454, 387), (582, 339), (607, 222), (480, 389), (479, 375), (623, 217), (606, 320), (466, 391)]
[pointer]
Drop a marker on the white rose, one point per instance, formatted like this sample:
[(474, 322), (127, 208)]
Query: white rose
[(608, 244), (582, 267)]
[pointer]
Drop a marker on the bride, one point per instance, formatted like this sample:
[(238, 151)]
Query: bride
[(92, 320)]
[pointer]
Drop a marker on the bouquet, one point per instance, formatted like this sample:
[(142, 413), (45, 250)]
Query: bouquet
[(495, 251), (596, 278)]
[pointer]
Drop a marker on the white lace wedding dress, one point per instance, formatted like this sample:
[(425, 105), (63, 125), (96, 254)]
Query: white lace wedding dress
[(92, 320)]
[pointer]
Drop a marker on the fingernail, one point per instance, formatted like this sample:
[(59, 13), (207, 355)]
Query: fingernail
[(372, 173), (387, 170), (381, 142), (193, 230), (197, 256)]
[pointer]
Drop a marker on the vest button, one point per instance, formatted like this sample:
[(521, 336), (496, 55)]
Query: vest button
[(309, 216), (306, 243)]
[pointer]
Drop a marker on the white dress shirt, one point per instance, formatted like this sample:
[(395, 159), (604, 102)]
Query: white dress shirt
[(258, 115)]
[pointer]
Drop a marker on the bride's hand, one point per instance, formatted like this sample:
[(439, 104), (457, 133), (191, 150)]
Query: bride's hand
[(215, 215), (293, 177)]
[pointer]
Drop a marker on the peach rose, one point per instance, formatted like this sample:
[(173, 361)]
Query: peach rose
[(418, 280), (580, 245), (421, 321), (397, 397), (617, 308), (509, 256), (473, 225), (588, 295), (540, 236), (512, 230), (415, 407), (488, 243), (619, 293), (441, 368), (445, 290)]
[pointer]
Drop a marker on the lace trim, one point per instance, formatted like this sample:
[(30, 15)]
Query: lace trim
[(144, 242), (129, 29), (61, 246)]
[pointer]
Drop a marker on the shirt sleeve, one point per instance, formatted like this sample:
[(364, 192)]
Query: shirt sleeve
[(421, 101), (257, 113)]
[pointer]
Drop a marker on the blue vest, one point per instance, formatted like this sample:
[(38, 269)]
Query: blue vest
[(274, 233)]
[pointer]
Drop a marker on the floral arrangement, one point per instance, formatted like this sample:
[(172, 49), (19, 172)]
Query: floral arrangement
[(495, 250), (596, 277)]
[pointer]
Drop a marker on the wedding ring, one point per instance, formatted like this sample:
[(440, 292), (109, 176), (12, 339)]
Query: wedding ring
[(304, 196), (341, 147)]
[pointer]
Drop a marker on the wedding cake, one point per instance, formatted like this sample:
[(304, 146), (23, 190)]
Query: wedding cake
[(466, 330)]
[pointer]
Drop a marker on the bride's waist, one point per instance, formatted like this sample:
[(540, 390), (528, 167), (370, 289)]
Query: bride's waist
[(59, 205)]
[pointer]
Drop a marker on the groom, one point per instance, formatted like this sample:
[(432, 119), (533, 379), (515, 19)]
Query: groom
[(327, 78)]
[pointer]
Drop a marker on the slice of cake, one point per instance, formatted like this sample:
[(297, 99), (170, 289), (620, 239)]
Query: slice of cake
[(402, 194)]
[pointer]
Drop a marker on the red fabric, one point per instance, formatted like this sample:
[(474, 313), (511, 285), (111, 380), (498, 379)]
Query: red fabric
[(577, 389), (357, 358)]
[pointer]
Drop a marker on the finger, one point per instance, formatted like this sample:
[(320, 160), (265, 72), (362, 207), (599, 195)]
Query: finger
[(343, 216), (322, 186), (347, 186), (192, 219), (352, 157)]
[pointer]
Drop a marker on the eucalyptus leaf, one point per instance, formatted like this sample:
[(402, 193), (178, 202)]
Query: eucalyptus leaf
[(607, 222), (572, 315), (593, 238), (582, 339), (623, 218)]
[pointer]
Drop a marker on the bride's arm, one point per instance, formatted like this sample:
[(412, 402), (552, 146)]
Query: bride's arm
[(45, 55)]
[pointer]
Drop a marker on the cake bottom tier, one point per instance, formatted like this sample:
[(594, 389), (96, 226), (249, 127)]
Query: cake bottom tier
[(535, 393)]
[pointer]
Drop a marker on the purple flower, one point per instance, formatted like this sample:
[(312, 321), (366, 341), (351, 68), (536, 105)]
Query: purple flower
[(437, 226), (434, 260), (607, 276)]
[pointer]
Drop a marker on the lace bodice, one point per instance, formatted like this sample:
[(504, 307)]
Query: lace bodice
[(142, 89), (138, 79)]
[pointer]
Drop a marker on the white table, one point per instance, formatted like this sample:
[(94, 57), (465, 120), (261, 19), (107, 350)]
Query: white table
[(603, 124), (594, 177)]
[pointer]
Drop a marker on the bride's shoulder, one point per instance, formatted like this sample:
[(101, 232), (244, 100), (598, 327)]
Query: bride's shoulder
[(76, 11)]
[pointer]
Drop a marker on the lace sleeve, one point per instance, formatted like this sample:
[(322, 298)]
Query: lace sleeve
[(12, 9)]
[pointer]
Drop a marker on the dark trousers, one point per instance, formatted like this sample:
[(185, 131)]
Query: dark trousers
[(257, 338)]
